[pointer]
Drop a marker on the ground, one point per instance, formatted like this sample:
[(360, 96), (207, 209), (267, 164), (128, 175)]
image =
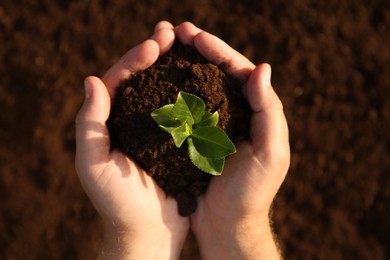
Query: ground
[(330, 63)]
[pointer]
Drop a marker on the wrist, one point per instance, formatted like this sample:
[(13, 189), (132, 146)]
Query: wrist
[(154, 243), (242, 238)]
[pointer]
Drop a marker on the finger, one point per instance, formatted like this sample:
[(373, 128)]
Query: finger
[(92, 138), (138, 58), (218, 52), (186, 33), (269, 130), (164, 36), (163, 25)]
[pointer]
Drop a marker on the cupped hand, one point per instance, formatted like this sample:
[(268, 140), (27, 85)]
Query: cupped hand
[(232, 218), (138, 216)]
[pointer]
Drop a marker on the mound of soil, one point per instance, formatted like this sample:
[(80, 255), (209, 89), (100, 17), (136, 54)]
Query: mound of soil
[(330, 67), (133, 131)]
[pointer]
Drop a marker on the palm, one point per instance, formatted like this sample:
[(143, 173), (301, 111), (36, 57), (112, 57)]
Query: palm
[(124, 188), (116, 185), (129, 199), (240, 190), (252, 175), (230, 192)]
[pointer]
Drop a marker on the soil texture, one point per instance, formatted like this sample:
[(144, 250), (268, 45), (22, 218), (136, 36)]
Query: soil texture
[(135, 133), (330, 67)]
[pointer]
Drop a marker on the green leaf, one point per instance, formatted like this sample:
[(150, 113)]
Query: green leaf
[(188, 119), (164, 117), (180, 134), (212, 142), (208, 165), (188, 108), (208, 119)]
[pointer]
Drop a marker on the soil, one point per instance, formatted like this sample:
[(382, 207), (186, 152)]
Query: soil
[(134, 132), (330, 63)]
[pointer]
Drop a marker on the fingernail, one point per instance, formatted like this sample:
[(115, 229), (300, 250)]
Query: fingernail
[(267, 76), (88, 88)]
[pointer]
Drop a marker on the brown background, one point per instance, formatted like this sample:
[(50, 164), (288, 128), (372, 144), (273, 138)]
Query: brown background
[(331, 68)]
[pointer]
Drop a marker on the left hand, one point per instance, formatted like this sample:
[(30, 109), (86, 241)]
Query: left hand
[(140, 221)]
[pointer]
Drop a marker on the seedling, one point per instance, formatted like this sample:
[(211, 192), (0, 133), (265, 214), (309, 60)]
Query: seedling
[(188, 119)]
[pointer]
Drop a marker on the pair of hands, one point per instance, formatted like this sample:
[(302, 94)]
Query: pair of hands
[(232, 218)]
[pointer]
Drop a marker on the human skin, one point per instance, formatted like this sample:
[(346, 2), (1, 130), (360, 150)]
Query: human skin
[(232, 218), (140, 221)]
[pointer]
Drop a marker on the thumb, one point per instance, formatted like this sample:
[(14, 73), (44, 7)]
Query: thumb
[(92, 138), (269, 130)]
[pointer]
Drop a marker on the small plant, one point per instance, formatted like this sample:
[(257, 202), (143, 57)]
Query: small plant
[(188, 119)]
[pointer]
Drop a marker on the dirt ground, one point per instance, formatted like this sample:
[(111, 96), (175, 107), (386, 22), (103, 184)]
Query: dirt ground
[(331, 69)]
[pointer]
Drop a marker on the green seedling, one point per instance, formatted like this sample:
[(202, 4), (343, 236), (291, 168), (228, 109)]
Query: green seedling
[(188, 119)]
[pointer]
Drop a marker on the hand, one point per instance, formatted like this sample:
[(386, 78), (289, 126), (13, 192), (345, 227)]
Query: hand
[(232, 218), (140, 221)]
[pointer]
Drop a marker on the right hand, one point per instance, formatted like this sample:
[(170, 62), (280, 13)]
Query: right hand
[(232, 218)]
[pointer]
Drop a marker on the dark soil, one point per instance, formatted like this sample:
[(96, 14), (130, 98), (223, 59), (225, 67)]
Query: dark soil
[(330, 62), (134, 132)]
